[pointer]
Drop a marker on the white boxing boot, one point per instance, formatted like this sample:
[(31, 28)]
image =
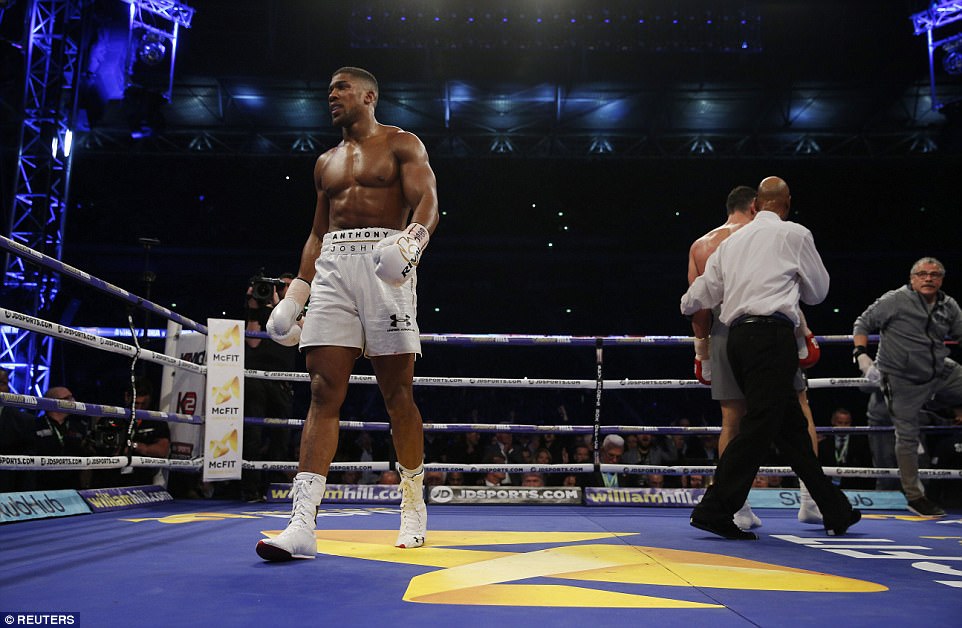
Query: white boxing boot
[(297, 540), (746, 519), (414, 512), (808, 511)]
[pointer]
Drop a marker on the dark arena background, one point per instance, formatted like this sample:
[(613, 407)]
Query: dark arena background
[(580, 148)]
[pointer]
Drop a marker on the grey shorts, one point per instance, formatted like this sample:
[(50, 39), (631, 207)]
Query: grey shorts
[(351, 307), (723, 384)]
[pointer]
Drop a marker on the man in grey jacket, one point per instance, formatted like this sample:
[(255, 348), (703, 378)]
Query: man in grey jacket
[(912, 364)]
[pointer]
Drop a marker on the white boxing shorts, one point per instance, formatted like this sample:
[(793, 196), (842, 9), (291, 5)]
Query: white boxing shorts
[(351, 307)]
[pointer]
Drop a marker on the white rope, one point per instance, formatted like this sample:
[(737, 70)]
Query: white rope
[(92, 409), (853, 472), (52, 463), (536, 382), (56, 463), (77, 336)]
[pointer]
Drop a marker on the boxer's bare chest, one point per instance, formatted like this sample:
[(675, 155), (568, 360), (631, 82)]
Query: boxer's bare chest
[(369, 164)]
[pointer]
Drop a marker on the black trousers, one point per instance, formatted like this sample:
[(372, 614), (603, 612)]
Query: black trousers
[(764, 359)]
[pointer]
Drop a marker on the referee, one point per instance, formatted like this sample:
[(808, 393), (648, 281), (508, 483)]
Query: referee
[(758, 275)]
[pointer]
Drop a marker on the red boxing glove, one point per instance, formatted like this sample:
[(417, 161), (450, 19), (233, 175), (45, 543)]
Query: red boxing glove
[(809, 352), (703, 371), (702, 361)]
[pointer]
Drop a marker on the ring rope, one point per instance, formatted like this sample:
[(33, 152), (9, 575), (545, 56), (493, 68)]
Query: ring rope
[(25, 463), (536, 382), (453, 339), (54, 264), (31, 402), (60, 463), (76, 336)]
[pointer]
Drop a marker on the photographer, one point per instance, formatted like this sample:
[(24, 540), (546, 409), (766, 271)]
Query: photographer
[(60, 434), (108, 437), (266, 398)]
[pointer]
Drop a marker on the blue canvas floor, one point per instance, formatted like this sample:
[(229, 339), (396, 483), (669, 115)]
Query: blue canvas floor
[(192, 563)]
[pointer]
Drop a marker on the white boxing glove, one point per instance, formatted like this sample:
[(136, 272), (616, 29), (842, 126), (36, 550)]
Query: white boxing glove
[(396, 256), (282, 326), (868, 368)]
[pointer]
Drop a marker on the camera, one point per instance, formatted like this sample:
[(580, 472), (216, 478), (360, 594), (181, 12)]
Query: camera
[(262, 288), (108, 436)]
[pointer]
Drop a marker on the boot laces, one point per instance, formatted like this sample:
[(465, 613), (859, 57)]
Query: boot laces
[(303, 512)]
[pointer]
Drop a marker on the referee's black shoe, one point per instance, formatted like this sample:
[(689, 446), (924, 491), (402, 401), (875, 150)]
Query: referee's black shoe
[(726, 529), (838, 529)]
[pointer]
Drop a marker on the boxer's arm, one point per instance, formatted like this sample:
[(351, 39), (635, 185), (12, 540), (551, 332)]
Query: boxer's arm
[(693, 268), (396, 256), (706, 292), (418, 183), (700, 251), (319, 227), (701, 323)]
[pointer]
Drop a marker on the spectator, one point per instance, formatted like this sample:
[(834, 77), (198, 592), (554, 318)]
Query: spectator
[(505, 446), (655, 480), (532, 479), (365, 449), (845, 450), (17, 435), (149, 438), (494, 478), (263, 397), (60, 433), (581, 454), (612, 449), (389, 477), (434, 478)]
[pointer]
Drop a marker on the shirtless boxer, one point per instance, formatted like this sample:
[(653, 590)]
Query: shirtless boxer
[(358, 267), (711, 359)]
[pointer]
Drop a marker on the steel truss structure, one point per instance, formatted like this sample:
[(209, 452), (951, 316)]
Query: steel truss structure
[(216, 117), (52, 46), (946, 13)]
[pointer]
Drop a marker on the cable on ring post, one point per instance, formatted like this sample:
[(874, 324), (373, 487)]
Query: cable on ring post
[(133, 394), (599, 386)]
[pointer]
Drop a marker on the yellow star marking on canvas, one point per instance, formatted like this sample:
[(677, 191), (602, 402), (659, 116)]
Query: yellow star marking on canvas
[(191, 517), (899, 517), (493, 578), (943, 538)]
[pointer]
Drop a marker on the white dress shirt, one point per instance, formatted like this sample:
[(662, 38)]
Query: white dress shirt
[(763, 268)]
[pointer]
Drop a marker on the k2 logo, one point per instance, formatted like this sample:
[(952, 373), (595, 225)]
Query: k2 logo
[(396, 321)]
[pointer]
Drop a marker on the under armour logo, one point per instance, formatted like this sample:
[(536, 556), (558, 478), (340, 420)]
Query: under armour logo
[(395, 320)]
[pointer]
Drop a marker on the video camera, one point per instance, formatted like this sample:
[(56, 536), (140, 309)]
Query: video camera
[(108, 436), (262, 288)]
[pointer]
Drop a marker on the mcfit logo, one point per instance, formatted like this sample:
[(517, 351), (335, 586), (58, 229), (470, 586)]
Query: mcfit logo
[(228, 339), (225, 445), (230, 390), (580, 559)]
